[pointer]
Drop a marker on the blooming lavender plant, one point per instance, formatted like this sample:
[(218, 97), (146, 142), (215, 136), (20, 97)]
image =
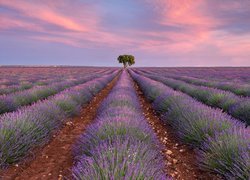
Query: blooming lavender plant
[(67, 105), (228, 153), (241, 110), (21, 130), (120, 160), (15, 88)]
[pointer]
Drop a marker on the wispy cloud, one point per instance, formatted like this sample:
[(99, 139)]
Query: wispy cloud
[(182, 29)]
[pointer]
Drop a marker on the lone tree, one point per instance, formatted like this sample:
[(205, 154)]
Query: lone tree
[(126, 60)]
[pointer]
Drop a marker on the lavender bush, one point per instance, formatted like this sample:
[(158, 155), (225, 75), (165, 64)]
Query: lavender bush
[(68, 105), (120, 160), (228, 153), (21, 130), (15, 88), (239, 110)]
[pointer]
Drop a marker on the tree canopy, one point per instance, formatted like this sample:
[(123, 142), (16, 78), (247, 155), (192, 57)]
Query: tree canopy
[(126, 59)]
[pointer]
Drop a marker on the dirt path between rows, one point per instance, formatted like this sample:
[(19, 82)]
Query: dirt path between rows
[(55, 160), (180, 159)]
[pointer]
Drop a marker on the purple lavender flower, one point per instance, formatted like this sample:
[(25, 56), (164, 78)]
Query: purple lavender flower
[(120, 160), (228, 153)]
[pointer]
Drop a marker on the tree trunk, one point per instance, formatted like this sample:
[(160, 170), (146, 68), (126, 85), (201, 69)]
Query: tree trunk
[(124, 65)]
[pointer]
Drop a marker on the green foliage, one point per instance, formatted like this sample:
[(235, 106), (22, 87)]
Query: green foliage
[(68, 106), (126, 60)]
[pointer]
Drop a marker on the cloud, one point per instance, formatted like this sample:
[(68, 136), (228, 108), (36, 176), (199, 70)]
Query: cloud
[(43, 13), (182, 29)]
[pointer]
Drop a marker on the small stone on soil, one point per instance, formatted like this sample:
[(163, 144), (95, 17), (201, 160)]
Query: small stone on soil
[(169, 152), (69, 123), (175, 161)]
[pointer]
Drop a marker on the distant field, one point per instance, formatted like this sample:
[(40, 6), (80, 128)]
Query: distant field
[(134, 123)]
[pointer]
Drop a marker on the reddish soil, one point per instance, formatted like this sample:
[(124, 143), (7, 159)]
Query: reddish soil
[(54, 160), (180, 159)]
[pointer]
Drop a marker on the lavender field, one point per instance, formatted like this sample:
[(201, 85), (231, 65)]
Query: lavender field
[(125, 90), (124, 123)]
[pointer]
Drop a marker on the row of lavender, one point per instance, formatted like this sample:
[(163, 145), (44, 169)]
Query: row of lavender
[(232, 74), (242, 89), (238, 107), (11, 76), (24, 86), (120, 144), (29, 83), (236, 88), (14, 101), (223, 143), (21, 79), (32, 126)]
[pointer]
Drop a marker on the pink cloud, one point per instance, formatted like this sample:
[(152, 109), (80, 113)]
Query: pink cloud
[(10, 23), (200, 29), (44, 13), (184, 28), (83, 27), (233, 45)]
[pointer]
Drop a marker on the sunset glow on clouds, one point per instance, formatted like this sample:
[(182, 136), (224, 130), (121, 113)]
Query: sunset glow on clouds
[(95, 32)]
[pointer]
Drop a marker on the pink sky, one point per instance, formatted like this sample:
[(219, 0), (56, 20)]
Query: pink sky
[(95, 32)]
